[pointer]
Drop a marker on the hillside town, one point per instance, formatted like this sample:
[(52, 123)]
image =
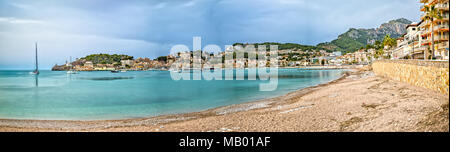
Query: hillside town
[(426, 40)]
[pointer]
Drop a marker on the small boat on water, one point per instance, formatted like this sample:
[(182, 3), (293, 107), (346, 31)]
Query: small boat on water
[(175, 70), (123, 70), (36, 70), (71, 71), (114, 71)]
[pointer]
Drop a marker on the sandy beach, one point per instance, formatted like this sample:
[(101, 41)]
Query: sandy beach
[(357, 102)]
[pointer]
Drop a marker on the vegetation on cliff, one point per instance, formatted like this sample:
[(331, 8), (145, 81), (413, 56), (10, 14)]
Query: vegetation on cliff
[(350, 41), (107, 58), (98, 61), (354, 39)]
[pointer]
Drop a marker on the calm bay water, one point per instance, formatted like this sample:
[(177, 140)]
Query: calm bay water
[(55, 95)]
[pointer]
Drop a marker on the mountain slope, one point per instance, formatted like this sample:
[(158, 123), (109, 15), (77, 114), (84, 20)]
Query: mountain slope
[(354, 39)]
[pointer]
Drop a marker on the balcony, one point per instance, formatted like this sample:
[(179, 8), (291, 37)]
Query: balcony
[(442, 6), (440, 27), (426, 42), (437, 53), (443, 45), (420, 49), (445, 16), (441, 38)]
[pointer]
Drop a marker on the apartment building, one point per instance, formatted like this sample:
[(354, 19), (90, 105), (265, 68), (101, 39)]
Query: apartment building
[(437, 31), (408, 46)]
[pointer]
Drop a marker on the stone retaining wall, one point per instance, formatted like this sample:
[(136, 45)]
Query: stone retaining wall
[(433, 75)]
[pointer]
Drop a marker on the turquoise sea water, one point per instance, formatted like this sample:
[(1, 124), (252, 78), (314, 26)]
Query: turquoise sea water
[(55, 95)]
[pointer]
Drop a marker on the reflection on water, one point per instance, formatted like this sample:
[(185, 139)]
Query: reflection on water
[(57, 95), (36, 79), (105, 78)]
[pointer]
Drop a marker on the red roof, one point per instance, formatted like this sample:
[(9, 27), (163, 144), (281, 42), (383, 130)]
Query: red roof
[(411, 25)]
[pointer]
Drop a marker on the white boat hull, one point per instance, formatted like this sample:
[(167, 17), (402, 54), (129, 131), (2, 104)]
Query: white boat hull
[(72, 72)]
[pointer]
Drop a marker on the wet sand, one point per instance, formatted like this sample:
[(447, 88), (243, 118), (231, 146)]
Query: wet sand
[(358, 102)]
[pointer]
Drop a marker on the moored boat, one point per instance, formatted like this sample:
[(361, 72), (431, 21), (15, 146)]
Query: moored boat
[(36, 70), (71, 71)]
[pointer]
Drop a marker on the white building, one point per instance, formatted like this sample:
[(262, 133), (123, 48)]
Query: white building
[(409, 45), (337, 53)]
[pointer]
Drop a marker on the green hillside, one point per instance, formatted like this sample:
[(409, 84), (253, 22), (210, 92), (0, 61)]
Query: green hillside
[(283, 46), (354, 39), (106, 58)]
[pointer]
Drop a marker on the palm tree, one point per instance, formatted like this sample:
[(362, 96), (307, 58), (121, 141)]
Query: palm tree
[(432, 13), (389, 42), (377, 44)]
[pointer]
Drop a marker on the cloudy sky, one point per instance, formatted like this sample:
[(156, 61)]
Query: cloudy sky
[(149, 28)]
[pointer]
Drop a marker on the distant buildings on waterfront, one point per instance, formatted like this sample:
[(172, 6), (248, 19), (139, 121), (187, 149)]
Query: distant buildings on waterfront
[(416, 43)]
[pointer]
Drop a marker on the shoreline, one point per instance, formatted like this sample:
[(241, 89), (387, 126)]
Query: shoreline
[(207, 120)]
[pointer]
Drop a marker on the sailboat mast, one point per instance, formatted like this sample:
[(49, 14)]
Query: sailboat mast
[(36, 57), (70, 63)]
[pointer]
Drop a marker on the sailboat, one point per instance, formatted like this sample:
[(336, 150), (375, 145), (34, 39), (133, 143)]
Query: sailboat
[(71, 71), (36, 71)]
